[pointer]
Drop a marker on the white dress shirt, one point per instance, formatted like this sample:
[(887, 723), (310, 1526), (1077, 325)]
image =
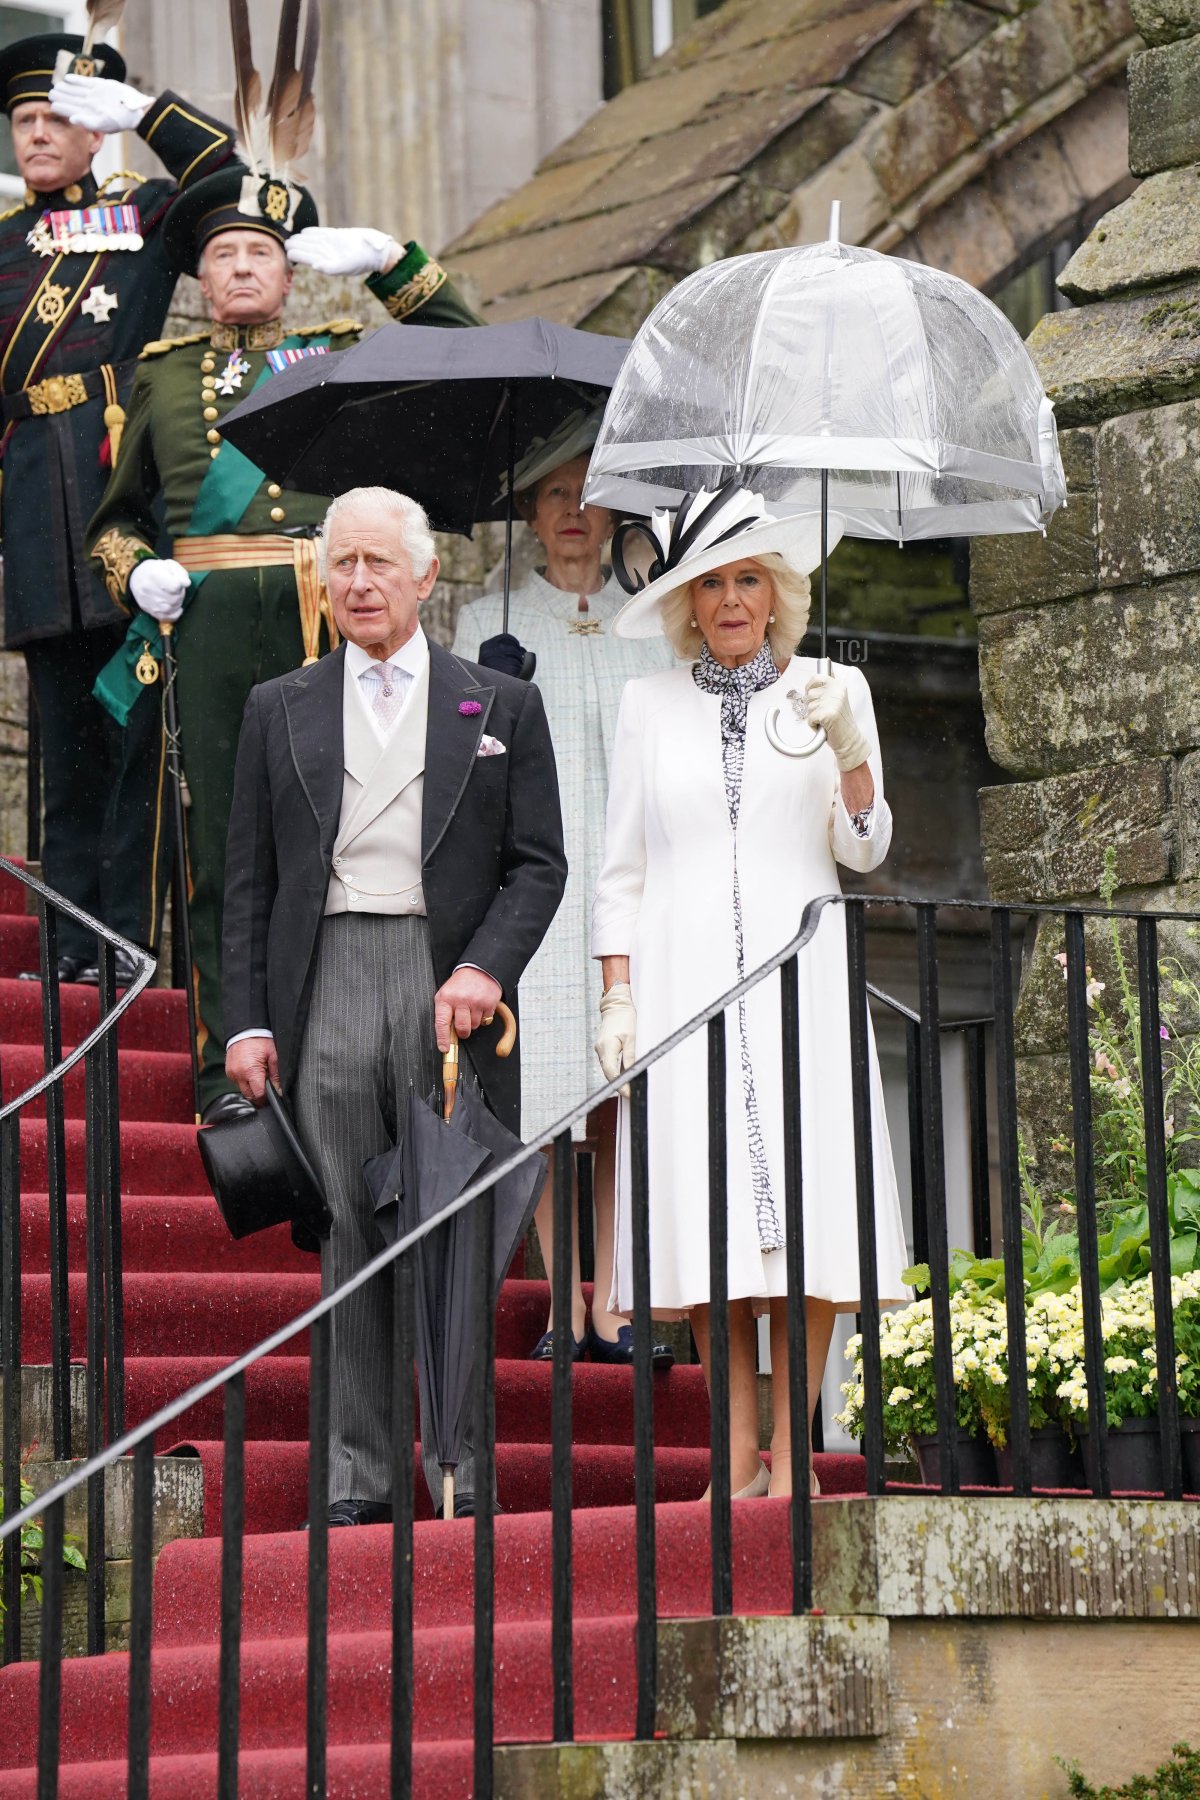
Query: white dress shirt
[(408, 662)]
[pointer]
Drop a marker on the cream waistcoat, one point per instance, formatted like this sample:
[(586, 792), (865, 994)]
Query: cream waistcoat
[(377, 852)]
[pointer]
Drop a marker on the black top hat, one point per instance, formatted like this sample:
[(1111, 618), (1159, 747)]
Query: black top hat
[(234, 199), (29, 68), (260, 1175)]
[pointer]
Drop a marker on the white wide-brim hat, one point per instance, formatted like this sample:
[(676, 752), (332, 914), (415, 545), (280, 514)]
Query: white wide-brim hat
[(707, 530)]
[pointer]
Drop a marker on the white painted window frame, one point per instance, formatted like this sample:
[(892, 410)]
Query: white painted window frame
[(74, 18)]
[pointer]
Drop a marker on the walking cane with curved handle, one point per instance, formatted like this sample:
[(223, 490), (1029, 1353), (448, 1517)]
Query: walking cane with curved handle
[(449, 1086), (450, 1058)]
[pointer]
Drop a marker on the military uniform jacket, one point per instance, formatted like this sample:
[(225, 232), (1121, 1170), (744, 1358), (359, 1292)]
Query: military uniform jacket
[(172, 440), (62, 318)]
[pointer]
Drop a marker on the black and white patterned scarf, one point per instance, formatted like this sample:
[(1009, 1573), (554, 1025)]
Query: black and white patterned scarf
[(735, 687)]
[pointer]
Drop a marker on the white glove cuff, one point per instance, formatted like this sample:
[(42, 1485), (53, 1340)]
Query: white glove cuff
[(619, 994)]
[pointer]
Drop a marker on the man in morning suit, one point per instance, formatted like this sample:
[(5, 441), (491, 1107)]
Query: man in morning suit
[(86, 278), (395, 858)]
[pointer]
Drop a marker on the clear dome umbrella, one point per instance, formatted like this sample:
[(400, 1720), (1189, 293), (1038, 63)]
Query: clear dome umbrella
[(834, 378)]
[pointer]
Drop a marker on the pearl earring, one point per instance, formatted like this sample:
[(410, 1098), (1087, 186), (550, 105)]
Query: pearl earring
[(693, 621), (770, 618)]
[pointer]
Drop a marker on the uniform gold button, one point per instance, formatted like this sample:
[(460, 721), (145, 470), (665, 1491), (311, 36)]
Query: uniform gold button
[(210, 412), (207, 366), (274, 490), (278, 514), (216, 450), (214, 436)]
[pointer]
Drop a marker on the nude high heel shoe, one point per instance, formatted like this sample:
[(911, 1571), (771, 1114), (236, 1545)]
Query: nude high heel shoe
[(756, 1489)]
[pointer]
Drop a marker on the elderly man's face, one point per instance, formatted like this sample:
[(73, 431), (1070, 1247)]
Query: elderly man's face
[(372, 588), (245, 276)]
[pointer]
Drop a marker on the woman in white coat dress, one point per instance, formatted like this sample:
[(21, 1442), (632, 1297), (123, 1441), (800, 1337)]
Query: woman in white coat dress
[(715, 841), (565, 617)]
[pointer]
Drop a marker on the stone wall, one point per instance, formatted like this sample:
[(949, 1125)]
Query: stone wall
[(1089, 639)]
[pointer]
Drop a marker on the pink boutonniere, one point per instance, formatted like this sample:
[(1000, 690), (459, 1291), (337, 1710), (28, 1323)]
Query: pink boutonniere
[(469, 708)]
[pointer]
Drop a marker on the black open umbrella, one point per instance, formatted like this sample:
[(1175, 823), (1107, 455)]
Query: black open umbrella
[(435, 1161), (439, 412)]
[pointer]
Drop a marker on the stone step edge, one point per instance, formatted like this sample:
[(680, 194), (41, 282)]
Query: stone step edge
[(934, 1556)]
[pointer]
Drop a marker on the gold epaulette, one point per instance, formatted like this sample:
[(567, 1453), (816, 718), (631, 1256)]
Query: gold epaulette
[(332, 328), (160, 346), (12, 212)]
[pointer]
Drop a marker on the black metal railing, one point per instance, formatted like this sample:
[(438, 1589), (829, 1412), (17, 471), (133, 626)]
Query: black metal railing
[(996, 1046), (105, 1349)]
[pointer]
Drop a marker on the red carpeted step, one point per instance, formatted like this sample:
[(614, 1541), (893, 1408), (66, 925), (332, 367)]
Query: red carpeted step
[(157, 1020), (276, 1396), (441, 1771), (154, 1157), (602, 1400), (164, 1232), (276, 1479), (18, 944), (183, 1711), (190, 1313), (154, 1084), (184, 1315), (187, 1579), (13, 893)]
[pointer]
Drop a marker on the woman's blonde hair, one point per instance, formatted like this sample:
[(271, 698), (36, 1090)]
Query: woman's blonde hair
[(792, 599)]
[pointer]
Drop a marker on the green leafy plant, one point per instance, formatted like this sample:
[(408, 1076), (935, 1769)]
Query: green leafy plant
[(33, 1543), (1176, 1779)]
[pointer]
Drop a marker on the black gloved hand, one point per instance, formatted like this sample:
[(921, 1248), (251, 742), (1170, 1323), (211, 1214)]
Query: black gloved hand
[(507, 654)]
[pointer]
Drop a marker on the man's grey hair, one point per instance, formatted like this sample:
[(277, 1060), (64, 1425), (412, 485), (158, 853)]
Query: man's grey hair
[(413, 520)]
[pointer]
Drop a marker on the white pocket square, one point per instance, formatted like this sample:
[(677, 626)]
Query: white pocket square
[(490, 746)]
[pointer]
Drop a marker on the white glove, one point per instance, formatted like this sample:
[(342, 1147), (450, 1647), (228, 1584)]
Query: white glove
[(99, 105), (829, 706), (616, 1040), (158, 585), (348, 250)]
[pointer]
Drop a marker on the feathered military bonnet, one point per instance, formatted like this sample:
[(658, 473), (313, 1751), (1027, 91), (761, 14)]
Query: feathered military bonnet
[(259, 192)]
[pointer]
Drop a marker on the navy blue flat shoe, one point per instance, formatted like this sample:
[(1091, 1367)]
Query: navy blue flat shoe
[(603, 1350), (543, 1350)]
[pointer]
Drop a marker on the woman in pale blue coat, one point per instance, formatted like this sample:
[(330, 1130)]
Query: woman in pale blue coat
[(564, 616)]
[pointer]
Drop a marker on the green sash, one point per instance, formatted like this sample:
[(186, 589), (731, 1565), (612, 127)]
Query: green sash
[(230, 483)]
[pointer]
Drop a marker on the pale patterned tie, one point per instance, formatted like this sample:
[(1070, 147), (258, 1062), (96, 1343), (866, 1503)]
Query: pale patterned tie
[(389, 693)]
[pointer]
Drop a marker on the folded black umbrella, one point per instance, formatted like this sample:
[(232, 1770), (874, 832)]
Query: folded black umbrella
[(439, 412), (434, 1162)]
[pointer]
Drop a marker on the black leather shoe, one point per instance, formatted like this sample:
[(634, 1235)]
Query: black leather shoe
[(226, 1106), (125, 970), (360, 1512), (603, 1350), (543, 1350), (70, 968), (464, 1507)]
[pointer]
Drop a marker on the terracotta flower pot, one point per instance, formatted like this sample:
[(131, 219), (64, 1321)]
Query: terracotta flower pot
[(976, 1460), (1055, 1461)]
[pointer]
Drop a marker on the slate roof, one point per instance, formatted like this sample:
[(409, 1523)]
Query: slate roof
[(957, 132)]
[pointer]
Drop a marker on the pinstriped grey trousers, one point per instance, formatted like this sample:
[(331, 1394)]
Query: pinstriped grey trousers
[(368, 1040)]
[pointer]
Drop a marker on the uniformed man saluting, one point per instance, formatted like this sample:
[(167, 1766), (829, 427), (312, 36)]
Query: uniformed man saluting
[(242, 576), (86, 278)]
